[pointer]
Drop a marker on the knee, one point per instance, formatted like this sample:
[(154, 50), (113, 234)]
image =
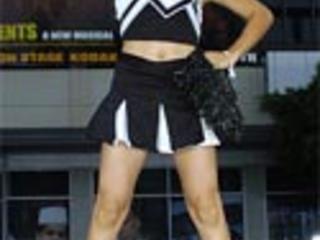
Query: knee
[(110, 209), (205, 208)]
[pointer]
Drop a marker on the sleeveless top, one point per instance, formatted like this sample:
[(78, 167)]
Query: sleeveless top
[(171, 20)]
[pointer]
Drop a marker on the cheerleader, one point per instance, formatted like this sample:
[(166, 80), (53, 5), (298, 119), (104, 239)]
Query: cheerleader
[(144, 111)]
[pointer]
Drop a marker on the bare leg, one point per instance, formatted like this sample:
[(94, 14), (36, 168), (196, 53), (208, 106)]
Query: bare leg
[(197, 170), (119, 170)]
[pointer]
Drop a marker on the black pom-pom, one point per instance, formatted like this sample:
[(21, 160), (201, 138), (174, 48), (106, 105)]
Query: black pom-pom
[(212, 94)]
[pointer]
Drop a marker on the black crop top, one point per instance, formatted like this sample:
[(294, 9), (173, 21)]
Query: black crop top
[(171, 20)]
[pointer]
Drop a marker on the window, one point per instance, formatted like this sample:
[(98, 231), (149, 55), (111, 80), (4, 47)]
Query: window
[(292, 205), (295, 26), (153, 216), (148, 216), (220, 27), (36, 204), (158, 208), (230, 180)]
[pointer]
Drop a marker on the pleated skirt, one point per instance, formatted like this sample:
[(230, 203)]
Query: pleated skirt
[(144, 109)]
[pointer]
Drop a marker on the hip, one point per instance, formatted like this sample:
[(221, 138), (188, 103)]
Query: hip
[(145, 80)]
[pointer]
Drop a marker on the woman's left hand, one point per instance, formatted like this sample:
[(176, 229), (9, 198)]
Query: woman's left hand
[(221, 59)]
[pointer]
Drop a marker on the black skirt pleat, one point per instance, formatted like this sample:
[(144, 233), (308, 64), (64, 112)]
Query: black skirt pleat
[(145, 86)]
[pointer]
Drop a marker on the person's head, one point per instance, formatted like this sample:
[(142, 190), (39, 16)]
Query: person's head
[(52, 223)]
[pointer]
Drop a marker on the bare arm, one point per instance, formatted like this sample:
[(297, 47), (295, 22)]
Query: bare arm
[(258, 21)]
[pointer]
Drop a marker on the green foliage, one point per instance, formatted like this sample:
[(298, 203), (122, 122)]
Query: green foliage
[(295, 113)]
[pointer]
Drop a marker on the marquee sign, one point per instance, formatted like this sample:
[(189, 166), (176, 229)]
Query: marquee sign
[(47, 33)]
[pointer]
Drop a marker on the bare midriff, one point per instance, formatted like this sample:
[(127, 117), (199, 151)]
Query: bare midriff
[(157, 50)]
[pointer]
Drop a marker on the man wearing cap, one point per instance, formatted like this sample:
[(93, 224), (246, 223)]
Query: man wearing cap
[(52, 223)]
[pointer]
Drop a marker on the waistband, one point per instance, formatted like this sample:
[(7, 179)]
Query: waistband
[(145, 66), (139, 77)]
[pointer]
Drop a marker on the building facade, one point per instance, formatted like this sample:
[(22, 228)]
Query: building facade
[(46, 161)]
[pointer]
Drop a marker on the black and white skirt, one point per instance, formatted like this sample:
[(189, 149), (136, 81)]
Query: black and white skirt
[(144, 109)]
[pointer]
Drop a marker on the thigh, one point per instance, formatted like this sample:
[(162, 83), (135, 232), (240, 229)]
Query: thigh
[(198, 171), (119, 169)]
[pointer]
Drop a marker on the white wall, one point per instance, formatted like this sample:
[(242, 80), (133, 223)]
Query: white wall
[(50, 98), (250, 86), (68, 97)]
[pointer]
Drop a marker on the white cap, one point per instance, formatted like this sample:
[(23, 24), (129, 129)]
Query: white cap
[(316, 237), (52, 215)]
